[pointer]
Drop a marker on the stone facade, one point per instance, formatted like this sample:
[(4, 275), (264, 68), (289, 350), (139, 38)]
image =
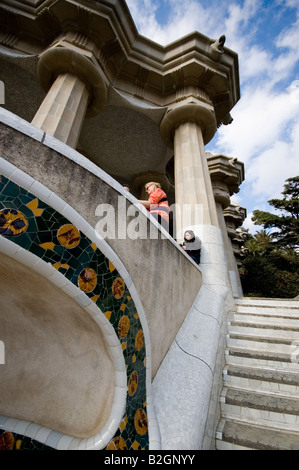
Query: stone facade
[(90, 105)]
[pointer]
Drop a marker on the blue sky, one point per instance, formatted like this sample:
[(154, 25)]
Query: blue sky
[(265, 132)]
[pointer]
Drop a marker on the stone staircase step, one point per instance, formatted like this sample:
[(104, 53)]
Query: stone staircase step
[(247, 361), (253, 437), (222, 445), (262, 401), (279, 309), (261, 353), (254, 348), (257, 379), (266, 302), (265, 322), (250, 343), (283, 312), (259, 403), (263, 334), (266, 374), (257, 417)]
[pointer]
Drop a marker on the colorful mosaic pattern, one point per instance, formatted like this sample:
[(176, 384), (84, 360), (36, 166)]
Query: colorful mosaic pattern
[(38, 228)]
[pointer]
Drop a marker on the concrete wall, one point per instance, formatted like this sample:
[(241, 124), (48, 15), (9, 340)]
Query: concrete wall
[(188, 384), (185, 308), (165, 278)]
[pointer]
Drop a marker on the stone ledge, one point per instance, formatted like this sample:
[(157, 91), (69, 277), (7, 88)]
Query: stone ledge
[(255, 437)]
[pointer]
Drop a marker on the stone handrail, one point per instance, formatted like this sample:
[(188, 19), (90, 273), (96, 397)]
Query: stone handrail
[(166, 280)]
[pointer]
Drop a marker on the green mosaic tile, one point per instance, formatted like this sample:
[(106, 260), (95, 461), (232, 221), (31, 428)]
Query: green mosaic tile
[(55, 240)]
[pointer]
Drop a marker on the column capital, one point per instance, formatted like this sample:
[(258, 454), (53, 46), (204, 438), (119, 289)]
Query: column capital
[(191, 110), (60, 60), (227, 174), (234, 217)]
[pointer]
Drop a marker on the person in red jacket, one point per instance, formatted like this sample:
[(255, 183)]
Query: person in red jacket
[(157, 204)]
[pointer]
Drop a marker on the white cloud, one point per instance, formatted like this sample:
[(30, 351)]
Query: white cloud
[(260, 118), (265, 132), (238, 17), (266, 139), (211, 18), (294, 136), (289, 36), (268, 171), (254, 63), (248, 224), (183, 18)]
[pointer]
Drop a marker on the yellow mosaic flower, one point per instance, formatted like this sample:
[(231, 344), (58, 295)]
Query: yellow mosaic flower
[(6, 441), (140, 422), (87, 280), (118, 287), (123, 326), (139, 339), (68, 235), (12, 222), (133, 383), (118, 443)]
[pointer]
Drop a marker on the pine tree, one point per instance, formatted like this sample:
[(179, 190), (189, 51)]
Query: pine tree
[(287, 222), (271, 268)]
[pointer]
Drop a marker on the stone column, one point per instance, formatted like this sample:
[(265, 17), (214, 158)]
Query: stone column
[(196, 356), (234, 216), (75, 89), (226, 175), (188, 127), (62, 112)]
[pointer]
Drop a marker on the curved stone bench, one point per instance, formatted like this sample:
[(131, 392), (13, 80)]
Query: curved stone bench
[(154, 274)]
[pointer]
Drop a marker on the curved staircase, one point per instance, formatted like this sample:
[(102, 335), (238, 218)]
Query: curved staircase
[(260, 397)]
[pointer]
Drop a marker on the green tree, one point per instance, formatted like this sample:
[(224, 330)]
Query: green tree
[(271, 268), (260, 243), (287, 222)]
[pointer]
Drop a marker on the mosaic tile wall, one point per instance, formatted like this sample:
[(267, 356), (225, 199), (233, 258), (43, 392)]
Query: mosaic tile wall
[(38, 228)]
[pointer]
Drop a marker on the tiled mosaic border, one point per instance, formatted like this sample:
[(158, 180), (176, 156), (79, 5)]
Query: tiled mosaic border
[(38, 205)]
